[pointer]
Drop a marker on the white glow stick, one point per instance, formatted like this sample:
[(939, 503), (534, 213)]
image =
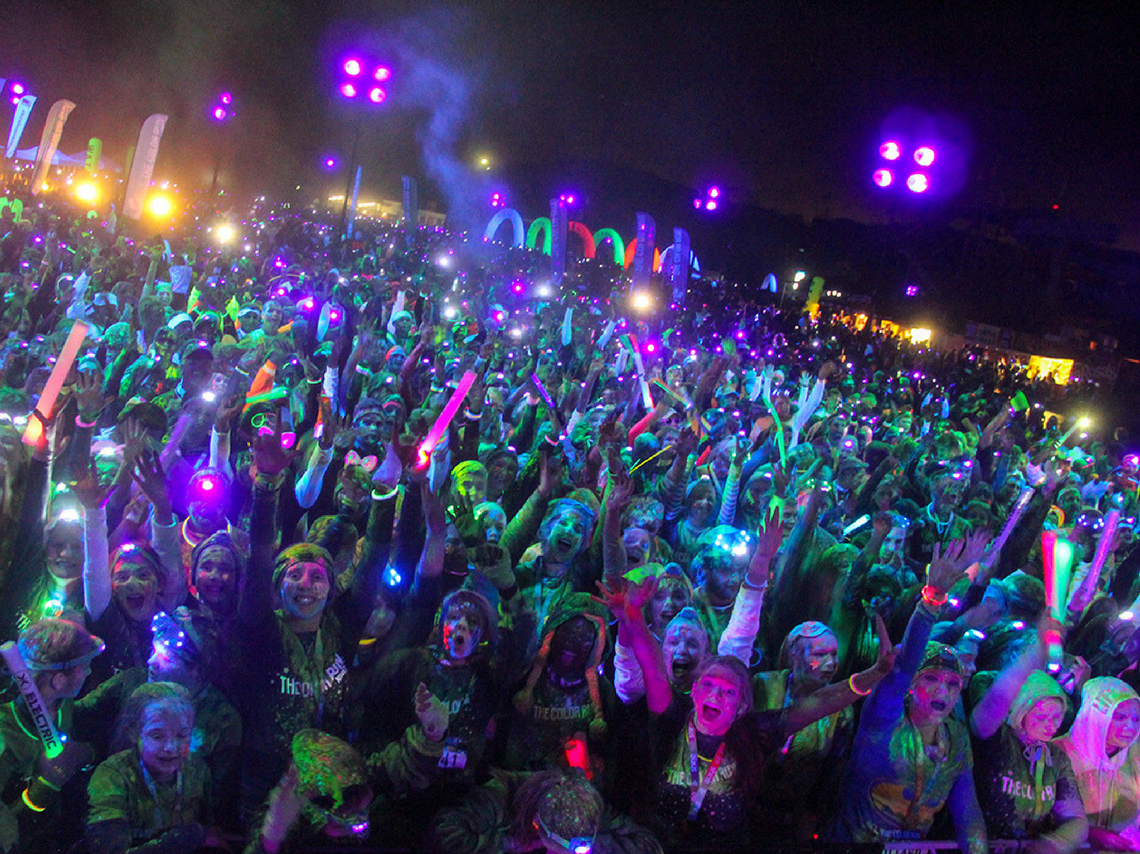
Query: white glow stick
[(41, 715)]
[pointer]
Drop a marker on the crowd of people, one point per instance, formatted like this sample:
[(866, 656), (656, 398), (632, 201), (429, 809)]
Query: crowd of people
[(386, 542)]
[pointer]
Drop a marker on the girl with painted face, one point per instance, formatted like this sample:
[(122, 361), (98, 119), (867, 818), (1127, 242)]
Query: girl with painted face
[(1025, 783), (153, 791), (708, 749), (910, 757), (1101, 745)]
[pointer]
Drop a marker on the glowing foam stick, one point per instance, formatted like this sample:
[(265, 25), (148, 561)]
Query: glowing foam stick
[(1057, 557), (1087, 578), (34, 432), (650, 459), (41, 715), (444, 420), (646, 397), (568, 326), (1010, 523)]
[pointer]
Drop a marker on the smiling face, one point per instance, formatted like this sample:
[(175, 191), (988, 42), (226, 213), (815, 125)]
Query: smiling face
[(684, 647), (216, 578), (136, 586), (1043, 720), (65, 551), (565, 538), (1123, 727), (164, 739), (933, 695), (701, 504), (668, 599), (717, 700), (305, 589)]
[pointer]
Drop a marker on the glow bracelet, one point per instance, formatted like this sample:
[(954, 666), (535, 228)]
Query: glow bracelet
[(34, 432), (41, 716), (444, 420)]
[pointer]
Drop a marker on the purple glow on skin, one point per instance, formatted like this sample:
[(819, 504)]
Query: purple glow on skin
[(377, 95), (924, 156), (918, 183), (890, 150), (348, 90), (883, 177), (352, 67)]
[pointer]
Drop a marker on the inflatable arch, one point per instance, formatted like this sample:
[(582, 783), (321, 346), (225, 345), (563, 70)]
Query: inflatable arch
[(631, 248), (694, 264), (516, 226), (615, 240), (540, 225), (589, 249)]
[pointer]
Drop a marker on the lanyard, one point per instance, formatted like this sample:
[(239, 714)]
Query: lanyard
[(699, 788), (314, 667)]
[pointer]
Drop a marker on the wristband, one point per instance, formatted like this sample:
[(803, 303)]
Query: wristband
[(384, 496), (854, 690), (79, 422), (474, 416), (28, 802), (749, 586), (933, 597)]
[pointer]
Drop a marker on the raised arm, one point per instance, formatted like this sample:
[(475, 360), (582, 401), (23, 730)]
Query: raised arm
[(626, 601), (993, 708)]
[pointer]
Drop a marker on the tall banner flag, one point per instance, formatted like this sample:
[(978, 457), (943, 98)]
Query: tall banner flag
[(643, 252), (49, 141), (19, 119), (352, 205), (94, 152), (142, 166), (411, 202), (559, 226), (811, 305), (678, 272)]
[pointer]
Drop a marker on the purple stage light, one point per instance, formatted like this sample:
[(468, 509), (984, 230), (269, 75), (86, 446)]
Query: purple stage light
[(383, 73), (219, 114), (710, 205), (912, 290), (697, 204), (569, 200), (377, 95), (918, 183), (883, 177), (924, 156), (15, 99), (330, 162), (890, 150), (714, 192), (352, 67), (227, 98), (348, 90), (18, 88)]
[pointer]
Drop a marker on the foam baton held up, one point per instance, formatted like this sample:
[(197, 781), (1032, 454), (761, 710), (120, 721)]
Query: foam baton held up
[(34, 432), (441, 423), (41, 715), (1057, 557)]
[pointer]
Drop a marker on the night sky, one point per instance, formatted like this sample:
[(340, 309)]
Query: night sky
[(780, 103)]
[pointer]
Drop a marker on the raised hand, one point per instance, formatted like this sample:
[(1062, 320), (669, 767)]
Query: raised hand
[(150, 477), (270, 456), (432, 713), (91, 494), (946, 567), (89, 396), (388, 473), (625, 598)]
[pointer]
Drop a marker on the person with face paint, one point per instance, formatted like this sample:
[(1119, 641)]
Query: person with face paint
[(709, 749), (153, 794), (800, 786), (1101, 745), (910, 757), (1024, 782)]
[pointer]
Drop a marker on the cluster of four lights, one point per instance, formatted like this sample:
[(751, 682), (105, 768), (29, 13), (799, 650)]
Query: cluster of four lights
[(916, 182), (352, 88)]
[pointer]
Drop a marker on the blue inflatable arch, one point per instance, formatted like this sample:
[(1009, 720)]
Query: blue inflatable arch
[(516, 225)]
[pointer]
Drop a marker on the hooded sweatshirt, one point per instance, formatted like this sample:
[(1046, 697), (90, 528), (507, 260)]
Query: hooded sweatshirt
[(1109, 785), (1028, 792)]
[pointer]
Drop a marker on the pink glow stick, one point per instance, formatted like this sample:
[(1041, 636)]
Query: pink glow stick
[(35, 429), (441, 423)]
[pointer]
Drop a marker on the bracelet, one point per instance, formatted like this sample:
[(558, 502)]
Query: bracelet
[(79, 422), (745, 584), (317, 381), (854, 690), (474, 416), (933, 597), (384, 496), (28, 802)]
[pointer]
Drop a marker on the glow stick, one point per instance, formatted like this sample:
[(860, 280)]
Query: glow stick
[(778, 427), (646, 397), (41, 716), (650, 459), (444, 420), (607, 334), (567, 327), (1057, 557), (34, 432), (1087, 580), (1010, 523), (856, 525)]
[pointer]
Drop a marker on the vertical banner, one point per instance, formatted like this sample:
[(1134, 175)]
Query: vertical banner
[(49, 141), (559, 226), (811, 306), (411, 202), (94, 152), (142, 166), (352, 205), (678, 272), (643, 252), (19, 119)]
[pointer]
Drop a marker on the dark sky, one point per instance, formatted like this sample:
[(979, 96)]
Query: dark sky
[(778, 102)]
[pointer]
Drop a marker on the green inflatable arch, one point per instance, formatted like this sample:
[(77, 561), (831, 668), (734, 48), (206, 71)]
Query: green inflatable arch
[(615, 239), (542, 224)]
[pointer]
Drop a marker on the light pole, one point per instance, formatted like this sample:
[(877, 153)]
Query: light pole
[(355, 84)]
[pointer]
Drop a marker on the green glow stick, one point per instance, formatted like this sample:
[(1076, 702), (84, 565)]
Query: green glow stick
[(778, 427)]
